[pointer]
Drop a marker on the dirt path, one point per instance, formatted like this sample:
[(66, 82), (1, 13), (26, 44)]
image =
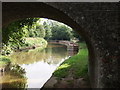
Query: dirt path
[(67, 82)]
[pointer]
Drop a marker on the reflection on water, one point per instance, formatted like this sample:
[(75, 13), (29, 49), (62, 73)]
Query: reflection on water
[(31, 69), (14, 78)]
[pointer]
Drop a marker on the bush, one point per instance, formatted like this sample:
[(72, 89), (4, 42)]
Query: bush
[(4, 60)]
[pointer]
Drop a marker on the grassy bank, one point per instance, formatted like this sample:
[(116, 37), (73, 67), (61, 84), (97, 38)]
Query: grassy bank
[(35, 42), (77, 65)]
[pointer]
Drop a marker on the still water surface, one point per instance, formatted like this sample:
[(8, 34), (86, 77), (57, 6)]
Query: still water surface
[(31, 69)]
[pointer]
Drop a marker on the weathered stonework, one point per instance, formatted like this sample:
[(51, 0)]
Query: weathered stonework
[(97, 23)]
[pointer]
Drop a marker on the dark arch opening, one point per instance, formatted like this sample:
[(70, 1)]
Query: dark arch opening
[(17, 11)]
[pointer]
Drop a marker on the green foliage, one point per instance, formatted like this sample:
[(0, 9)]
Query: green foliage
[(4, 61), (16, 29), (77, 36), (62, 70), (47, 31), (36, 30), (6, 49), (61, 32), (40, 31), (76, 64), (35, 42), (13, 35)]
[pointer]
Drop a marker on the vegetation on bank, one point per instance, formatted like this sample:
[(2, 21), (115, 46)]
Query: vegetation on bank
[(77, 65), (37, 42), (4, 60), (40, 43)]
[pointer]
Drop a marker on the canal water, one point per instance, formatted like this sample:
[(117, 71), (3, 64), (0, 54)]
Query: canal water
[(31, 69)]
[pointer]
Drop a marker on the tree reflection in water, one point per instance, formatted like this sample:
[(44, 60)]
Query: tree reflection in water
[(51, 55), (15, 78)]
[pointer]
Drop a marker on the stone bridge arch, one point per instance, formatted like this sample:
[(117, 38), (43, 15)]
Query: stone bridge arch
[(97, 23)]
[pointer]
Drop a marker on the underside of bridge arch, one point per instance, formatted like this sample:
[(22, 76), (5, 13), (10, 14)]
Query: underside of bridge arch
[(97, 23)]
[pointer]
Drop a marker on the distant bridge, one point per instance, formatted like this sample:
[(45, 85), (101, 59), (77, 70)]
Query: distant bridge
[(70, 45)]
